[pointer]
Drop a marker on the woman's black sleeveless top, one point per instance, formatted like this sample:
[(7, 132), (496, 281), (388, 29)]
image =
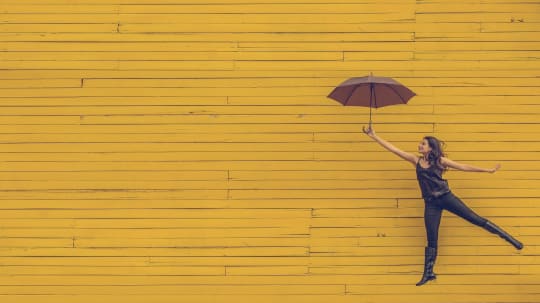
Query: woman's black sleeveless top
[(431, 182)]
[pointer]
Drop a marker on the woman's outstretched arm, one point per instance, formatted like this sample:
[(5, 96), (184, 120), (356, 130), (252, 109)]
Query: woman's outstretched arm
[(466, 167), (404, 155)]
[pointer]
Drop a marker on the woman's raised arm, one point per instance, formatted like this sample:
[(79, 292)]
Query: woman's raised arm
[(389, 146)]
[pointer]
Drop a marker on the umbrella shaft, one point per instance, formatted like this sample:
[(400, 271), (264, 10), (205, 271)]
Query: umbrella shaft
[(370, 101)]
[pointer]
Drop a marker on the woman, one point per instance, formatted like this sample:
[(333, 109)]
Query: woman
[(437, 195)]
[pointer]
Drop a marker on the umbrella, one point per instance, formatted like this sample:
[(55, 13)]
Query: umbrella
[(372, 92)]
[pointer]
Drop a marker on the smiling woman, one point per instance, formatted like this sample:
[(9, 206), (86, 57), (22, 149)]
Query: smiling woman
[(437, 194)]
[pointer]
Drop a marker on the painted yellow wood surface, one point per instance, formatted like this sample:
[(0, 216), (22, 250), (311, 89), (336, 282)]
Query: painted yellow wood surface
[(185, 151)]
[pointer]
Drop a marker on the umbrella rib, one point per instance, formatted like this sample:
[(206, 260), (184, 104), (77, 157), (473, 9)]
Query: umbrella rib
[(395, 91)]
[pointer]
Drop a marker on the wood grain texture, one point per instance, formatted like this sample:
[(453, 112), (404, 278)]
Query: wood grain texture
[(184, 151)]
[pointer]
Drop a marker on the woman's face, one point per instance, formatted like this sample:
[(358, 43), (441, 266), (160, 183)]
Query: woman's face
[(424, 147)]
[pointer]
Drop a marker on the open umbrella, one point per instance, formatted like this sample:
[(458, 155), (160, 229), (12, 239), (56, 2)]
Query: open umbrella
[(372, 92)]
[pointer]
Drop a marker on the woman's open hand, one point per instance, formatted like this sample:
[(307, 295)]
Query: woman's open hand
[(496, 168)]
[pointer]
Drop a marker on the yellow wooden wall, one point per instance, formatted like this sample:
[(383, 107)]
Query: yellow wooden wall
[(185, 151)]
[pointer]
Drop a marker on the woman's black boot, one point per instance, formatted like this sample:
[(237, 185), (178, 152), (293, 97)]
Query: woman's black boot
[(492, 228), (430, 256)]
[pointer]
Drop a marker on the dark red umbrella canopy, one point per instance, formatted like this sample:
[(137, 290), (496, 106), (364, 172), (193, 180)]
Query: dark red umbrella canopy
[(372, 92)]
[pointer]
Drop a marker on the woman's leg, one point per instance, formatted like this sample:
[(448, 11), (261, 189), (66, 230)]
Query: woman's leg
[(456, 206), (432, 220)]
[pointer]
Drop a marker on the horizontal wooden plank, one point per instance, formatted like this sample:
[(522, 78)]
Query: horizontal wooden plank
[(266, 262), (214, 37), (161, 213), (35, 83), (451, 139), (523, 166), (390, 241), (48, 9), (240, 82), (125, 47), (121, 194), (249, 194), (59, 28), (460, 128), (190, 8), (372, 193), (28, 185), (135, 203), (43, 242), (336, 143), (482, 16), (195, 56), (411, 221), (261, 27), (123, 242), (486, 46), (447, 289), (164, 261), (266, 177), (427, 77), (461, 269), (267, 8), (111, 65), (337, 108), (485, 55), (200, 271), (180, 2), (482, 250), (442, 27), (375, 279), (475, 36), (117, 176), (437, 7), (155, 222), (396, 212), (210, 18), (297, 231), (336, 175), (318, 81), (347, 235), (216, 271), (252, 243), (119, 252), (457, 298), (188, 289), (132, 270), (291, 137), (298, 118), (494, 109), (389, 129)]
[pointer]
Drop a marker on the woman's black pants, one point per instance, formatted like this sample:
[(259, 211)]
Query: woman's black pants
[(433, 211)]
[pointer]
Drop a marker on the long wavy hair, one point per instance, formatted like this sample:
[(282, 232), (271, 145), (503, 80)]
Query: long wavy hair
[(437, 151)]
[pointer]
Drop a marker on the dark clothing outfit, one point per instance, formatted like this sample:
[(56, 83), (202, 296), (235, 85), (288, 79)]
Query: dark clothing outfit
[(437, 196)]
